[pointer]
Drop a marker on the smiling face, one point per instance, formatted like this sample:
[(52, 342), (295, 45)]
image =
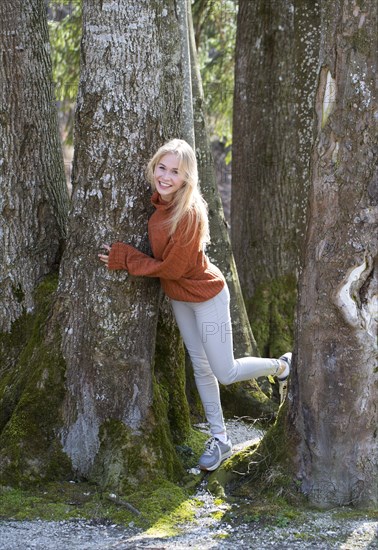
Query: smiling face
[(167, 177)]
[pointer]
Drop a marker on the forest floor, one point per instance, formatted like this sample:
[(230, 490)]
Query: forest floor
[(216, 524)]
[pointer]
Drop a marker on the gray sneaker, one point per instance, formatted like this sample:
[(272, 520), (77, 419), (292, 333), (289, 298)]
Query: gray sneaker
[(214, 454)]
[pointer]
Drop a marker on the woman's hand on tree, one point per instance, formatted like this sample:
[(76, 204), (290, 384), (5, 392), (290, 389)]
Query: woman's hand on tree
[(105, 257)]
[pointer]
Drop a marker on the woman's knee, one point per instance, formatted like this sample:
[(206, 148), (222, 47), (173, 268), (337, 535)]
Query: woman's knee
[(224, 371), (226, 379)]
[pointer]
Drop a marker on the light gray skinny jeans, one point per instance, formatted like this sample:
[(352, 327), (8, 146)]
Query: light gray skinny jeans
[(206, 330)]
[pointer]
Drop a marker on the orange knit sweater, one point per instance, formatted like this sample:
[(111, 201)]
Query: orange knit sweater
[(184, 270)]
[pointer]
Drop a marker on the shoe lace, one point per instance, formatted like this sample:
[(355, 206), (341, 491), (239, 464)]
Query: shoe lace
[(210, 444)]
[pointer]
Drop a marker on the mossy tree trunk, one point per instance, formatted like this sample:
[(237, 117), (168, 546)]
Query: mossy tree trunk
[(325, 438), (33, 215), (274, 85), (34, 198), (333, 407), (245, 399), (130, 93)]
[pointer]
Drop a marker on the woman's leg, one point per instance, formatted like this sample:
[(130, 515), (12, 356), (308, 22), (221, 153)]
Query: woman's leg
[(214, 325), (206, 382)]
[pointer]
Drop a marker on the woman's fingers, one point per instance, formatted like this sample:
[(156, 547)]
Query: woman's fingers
[(105, 257)]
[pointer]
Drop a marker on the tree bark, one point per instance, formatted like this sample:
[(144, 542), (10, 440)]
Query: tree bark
[(130, 94), (271, 149), (184, 16), (263, 170), (333, 408), (34, 198), (325, 436)]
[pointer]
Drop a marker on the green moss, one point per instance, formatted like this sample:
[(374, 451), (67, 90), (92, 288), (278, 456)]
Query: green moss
[(162, 438), (115, 466), (168, 507), (353, 513), (218, 515), (191, 448), (18, 293), (57, 502), (271, 313), (196, 441), (159, 506), (12, 376), (126, 459), (247, 399), (31, 392), (170, 375)]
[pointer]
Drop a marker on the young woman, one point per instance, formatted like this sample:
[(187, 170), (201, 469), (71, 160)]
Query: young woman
[(178, 231)]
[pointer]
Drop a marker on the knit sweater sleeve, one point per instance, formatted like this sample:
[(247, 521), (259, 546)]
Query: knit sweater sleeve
[(179, 255)]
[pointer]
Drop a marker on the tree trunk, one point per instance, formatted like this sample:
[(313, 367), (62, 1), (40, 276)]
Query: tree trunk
[(271, 148), (130, 93), (34, 198), (247, 398), (327, 440), (333, 408), (183, 14)]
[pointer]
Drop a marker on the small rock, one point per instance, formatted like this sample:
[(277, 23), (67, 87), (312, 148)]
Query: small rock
[(194, 471)]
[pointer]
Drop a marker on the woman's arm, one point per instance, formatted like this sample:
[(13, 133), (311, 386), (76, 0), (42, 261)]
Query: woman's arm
[(178, 257)]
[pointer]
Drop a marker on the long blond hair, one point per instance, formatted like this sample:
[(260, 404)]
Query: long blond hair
[(188, 199)]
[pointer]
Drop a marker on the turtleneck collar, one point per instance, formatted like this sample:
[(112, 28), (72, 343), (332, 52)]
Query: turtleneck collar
[(158, 202)]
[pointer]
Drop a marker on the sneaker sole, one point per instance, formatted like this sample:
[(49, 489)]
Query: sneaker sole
[(217, 464)]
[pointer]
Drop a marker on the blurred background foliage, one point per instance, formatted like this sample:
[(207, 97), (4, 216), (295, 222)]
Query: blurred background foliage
[(214, 24), (65, 35)]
